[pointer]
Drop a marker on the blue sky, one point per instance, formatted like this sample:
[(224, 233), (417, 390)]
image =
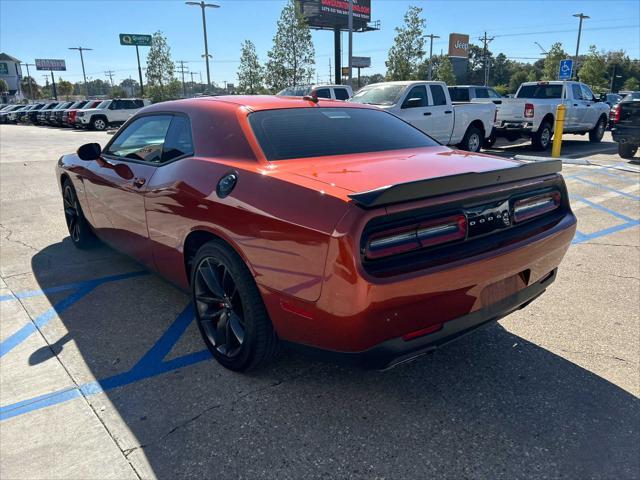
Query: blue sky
[(45, 29)]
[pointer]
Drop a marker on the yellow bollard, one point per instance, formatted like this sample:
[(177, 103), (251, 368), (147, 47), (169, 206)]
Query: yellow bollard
[(557, 132)]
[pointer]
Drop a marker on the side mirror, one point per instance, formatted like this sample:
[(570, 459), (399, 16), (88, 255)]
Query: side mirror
[(89, 151)]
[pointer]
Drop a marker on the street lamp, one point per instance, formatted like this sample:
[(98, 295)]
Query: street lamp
[(202, 6), (582, 17), (81, 49), (431, 36)]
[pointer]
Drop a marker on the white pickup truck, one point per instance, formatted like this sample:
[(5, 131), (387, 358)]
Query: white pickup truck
[(532, 112), (428, 107)]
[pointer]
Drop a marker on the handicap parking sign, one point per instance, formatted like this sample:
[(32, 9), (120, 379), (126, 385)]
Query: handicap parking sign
[(566, 66)]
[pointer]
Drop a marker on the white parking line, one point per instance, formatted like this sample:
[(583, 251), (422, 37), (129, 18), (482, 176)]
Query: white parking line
[(601, 198)]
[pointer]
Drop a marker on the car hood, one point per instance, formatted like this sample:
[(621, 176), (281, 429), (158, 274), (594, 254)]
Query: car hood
[(370, 171)]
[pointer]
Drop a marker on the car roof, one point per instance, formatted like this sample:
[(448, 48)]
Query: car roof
[(251, 102)]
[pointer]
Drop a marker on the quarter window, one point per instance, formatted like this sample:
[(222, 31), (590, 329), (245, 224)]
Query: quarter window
[(142, 139), (178, 142), (437, 93)]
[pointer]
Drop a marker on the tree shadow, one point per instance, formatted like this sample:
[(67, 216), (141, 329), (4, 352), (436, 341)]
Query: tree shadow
[(492, 405)]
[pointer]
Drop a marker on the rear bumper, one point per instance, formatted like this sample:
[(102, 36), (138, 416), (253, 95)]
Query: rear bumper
[(626, 134), (399, 350)]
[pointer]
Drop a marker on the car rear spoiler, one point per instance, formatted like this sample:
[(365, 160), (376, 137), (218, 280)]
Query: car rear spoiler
[(419, 189)]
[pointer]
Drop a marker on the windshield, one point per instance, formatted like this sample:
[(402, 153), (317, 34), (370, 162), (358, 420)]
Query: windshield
[(379, 95), (317, 132), (632, 96), (103, 104), (540, 91)]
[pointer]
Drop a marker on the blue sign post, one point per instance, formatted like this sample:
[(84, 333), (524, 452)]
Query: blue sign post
[(566, 67)]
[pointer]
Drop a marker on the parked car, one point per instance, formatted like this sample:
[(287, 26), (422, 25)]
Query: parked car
[(474, 93), (327, 91), (21, 115), (109, 113), (610, 99), (73, 112), (427, 106), (626, 125), (32, 116), (42, 117), (329, 226), (533, 110), (4, 113), (50, 117), (64, 118)]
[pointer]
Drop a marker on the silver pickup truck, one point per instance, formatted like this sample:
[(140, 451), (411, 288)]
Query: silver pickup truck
[(533, 110), (428, 107)]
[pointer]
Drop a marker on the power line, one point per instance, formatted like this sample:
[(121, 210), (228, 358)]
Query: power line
[(486, 40), (109, 73), (182, 70)]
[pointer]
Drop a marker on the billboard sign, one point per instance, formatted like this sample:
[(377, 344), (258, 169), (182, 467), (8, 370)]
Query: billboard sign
[(335, 13), (566, 67), (52, 64), (361, 62), (134, 39), (459, 45)]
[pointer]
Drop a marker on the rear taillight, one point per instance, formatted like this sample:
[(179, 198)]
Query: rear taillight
[(417, 236), (529, 110), (614, 114), (530, 207)]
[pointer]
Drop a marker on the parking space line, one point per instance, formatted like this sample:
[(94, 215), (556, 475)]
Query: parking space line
[(602, 208), (605, 187), (150, 365), (583, 237)]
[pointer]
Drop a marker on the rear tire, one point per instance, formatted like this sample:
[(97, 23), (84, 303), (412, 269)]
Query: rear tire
[(597, 132), (542, 138), (627, 150), (229, 310), (472, 141)]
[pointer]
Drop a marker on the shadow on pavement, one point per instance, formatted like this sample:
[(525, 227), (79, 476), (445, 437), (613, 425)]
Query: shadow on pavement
[(492, 405)]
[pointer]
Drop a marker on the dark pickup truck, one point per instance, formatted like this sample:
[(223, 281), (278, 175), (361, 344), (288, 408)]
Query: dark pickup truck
[(625, 125)]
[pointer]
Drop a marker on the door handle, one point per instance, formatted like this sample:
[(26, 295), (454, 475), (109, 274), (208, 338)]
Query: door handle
[(448, 111), (426, 113), (575, 104), (139, 182)]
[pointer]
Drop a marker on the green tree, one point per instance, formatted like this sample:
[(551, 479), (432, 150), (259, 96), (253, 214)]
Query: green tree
[(4, 86), (632, 83), (130, 86), (65, 88), (405, 59), (516, 79), (444, 73), (552, 62), (476, 64), (502, 89), (160, 67), (292, 56), (250, 72), (593, 71), (28, 86), (118, 92)]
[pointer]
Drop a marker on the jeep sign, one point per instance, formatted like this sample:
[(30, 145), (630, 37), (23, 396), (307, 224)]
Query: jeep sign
[(459, 45)]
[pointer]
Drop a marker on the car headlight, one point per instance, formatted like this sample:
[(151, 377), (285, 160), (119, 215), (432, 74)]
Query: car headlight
[(80, 114)]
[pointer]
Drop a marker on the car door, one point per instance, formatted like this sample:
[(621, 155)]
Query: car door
[(576, 110), (592, 112), (440, 120), (414, 108), (117, 183)]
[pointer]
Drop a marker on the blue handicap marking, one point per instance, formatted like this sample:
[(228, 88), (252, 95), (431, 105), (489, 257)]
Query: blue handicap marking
[(566, 67)]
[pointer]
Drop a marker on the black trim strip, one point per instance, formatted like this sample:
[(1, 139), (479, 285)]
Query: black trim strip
[(404, 192)]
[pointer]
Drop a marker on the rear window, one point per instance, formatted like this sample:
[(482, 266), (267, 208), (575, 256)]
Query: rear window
[(316, 132), (540, 91)]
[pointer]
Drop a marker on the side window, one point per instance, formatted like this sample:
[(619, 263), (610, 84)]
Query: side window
[(493, 93), (178, 141), (587, 94), (323, 93), (341, 93), (138, 104), (417, 97), (142, 139), (482, 93), (437, 93), (577, 91), (115, 105)]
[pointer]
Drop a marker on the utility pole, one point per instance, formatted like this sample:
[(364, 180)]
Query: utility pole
[(431, 36), (582, 17), (202, 6), (485, 40), (109, 73), (182, 70), (82, 49), (350, 43), (29, 76)]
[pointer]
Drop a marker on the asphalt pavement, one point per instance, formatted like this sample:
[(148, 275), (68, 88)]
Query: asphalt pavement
[(103, 373)]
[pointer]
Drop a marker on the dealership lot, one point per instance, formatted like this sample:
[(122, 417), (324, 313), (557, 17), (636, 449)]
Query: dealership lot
[(103, 373)]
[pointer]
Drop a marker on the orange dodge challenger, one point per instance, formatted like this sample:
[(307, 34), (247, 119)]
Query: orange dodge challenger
[(332, 227)]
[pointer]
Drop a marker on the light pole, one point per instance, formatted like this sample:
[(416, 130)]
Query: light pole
[(202, 6), (431, 36), (582, 17), (82, 49), (30, 79)]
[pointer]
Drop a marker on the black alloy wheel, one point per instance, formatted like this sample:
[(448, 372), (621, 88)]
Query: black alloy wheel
[(79, 230)]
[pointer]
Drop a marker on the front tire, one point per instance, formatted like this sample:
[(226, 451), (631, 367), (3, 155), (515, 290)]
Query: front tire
[(472, 141), (229, 310), (597, 132), (542, 138), (79, 230), (98, 124), (627, 150)]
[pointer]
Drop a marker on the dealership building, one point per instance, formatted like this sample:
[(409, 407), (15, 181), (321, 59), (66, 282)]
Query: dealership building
[(11, 73)]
